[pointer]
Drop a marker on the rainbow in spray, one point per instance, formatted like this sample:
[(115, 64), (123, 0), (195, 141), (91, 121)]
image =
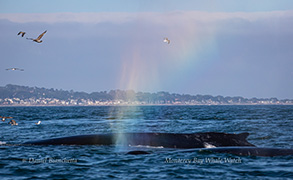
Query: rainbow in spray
[(146, 55), (147, 58)]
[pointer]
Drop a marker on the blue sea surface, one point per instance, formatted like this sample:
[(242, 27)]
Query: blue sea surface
[(269, 126)]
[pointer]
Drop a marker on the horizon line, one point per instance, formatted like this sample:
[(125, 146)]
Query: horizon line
[(162, 91)]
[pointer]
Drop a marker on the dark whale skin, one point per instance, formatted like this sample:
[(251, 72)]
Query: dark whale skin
[(251, 151), (239, 151), (195, 142), (165, 140)]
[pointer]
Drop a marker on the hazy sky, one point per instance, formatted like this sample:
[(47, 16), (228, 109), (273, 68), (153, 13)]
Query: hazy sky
[(227, 47)]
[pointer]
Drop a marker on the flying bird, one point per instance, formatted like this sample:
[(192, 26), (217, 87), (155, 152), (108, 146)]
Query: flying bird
[(13, 123), (166, 40), (3, 118), (14, 69), (21, 33), (39, 122), (38, 40)]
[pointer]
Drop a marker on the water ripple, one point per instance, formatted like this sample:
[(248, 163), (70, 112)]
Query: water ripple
[(269, 126)]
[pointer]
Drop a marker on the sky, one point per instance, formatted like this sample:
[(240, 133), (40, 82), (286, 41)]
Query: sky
[(227, 47)]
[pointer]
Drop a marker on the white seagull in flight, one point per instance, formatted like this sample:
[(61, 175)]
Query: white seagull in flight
[(166, 40), (38, 40), (14, 69)]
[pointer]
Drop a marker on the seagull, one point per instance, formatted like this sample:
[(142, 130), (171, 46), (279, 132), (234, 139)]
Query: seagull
[(39, 122), (38, 40), (21, 33), (166, 40), (3, 118), (14, 69), (13, 123)]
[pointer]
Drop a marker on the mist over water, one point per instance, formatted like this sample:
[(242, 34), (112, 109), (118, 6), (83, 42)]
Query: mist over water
[(269, 126)]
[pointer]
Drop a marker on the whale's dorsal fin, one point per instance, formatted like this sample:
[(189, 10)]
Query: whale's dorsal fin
[(243, 136)]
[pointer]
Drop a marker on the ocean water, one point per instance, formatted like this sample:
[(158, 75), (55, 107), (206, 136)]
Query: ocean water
[(269, 126)]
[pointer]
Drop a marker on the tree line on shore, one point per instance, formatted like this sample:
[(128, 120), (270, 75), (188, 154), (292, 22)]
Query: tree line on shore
[(25, 92)]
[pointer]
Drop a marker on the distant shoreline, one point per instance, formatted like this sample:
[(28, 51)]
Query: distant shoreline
[(146, 105), (15, 95)]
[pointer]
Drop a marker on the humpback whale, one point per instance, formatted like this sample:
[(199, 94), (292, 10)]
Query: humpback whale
[(165, 140), (208, 142), (240, 151), (250, 151)]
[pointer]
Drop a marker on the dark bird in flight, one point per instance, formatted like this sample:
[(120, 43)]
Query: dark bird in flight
[(21, 33), (3, 118), (13, 122), (38, 40), (166, 40), (14, 69)]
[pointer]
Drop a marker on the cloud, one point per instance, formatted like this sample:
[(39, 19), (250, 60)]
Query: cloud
[(67, 17), (238, 53), (121, 17)]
